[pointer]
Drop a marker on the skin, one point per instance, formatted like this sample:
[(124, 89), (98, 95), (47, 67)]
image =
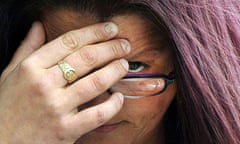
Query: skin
[(139, 121), (37, 105)]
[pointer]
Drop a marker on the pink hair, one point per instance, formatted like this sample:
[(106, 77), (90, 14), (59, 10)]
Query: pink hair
[(206, 34)]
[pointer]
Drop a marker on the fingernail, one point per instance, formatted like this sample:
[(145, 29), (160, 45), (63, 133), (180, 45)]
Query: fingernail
[(111, 28), (124, 64), (125, 44)]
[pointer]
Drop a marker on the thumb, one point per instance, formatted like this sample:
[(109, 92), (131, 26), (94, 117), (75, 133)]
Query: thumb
[(33, 41)]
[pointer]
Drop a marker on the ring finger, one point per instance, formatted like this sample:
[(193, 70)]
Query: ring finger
[(89, 58), (92, 85)]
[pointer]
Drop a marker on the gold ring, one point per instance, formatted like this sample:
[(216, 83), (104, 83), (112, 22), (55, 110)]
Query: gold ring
[(69, 73)]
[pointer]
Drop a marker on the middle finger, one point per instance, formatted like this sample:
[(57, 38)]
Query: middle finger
[(91, 57)]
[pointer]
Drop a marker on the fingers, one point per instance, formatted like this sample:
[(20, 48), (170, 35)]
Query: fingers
[(93, 117), (34, 39), (94, 84), (82, 50), (51, 53), (90, 57)]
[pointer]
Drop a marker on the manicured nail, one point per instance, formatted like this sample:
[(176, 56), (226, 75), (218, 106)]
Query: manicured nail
[(111, 28), (124, 63), (126, 46)]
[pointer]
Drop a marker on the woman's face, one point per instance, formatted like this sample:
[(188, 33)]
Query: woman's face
[(140, 121)]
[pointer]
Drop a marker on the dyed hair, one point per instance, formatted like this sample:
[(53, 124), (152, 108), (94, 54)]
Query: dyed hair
[(205, 37)]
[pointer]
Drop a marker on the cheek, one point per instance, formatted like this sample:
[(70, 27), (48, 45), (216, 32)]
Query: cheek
[(163, 65), (147, 113)]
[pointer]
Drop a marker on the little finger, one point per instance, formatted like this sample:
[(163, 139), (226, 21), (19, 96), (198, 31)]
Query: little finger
[(94, 84), (93, 117)]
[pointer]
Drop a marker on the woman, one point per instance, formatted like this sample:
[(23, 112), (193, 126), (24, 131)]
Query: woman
[(193, 45)]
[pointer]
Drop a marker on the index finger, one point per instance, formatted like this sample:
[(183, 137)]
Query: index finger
[(51, 53)]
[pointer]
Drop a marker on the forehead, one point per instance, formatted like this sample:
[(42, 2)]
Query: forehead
[(148, 45), (135, 28)]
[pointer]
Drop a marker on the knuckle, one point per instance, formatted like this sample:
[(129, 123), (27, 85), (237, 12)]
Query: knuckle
[(116, 49), (98, 83), (41, 87), (99, 34), (54, 112), (69, 41), (120, 68), (61, 129), (60, 135), (88, 56), (25, 67), (100, 116)]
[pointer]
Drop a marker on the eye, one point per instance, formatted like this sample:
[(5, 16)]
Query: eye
[(135, 67)]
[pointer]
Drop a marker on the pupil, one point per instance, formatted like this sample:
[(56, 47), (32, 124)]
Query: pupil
[(134, 65)]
